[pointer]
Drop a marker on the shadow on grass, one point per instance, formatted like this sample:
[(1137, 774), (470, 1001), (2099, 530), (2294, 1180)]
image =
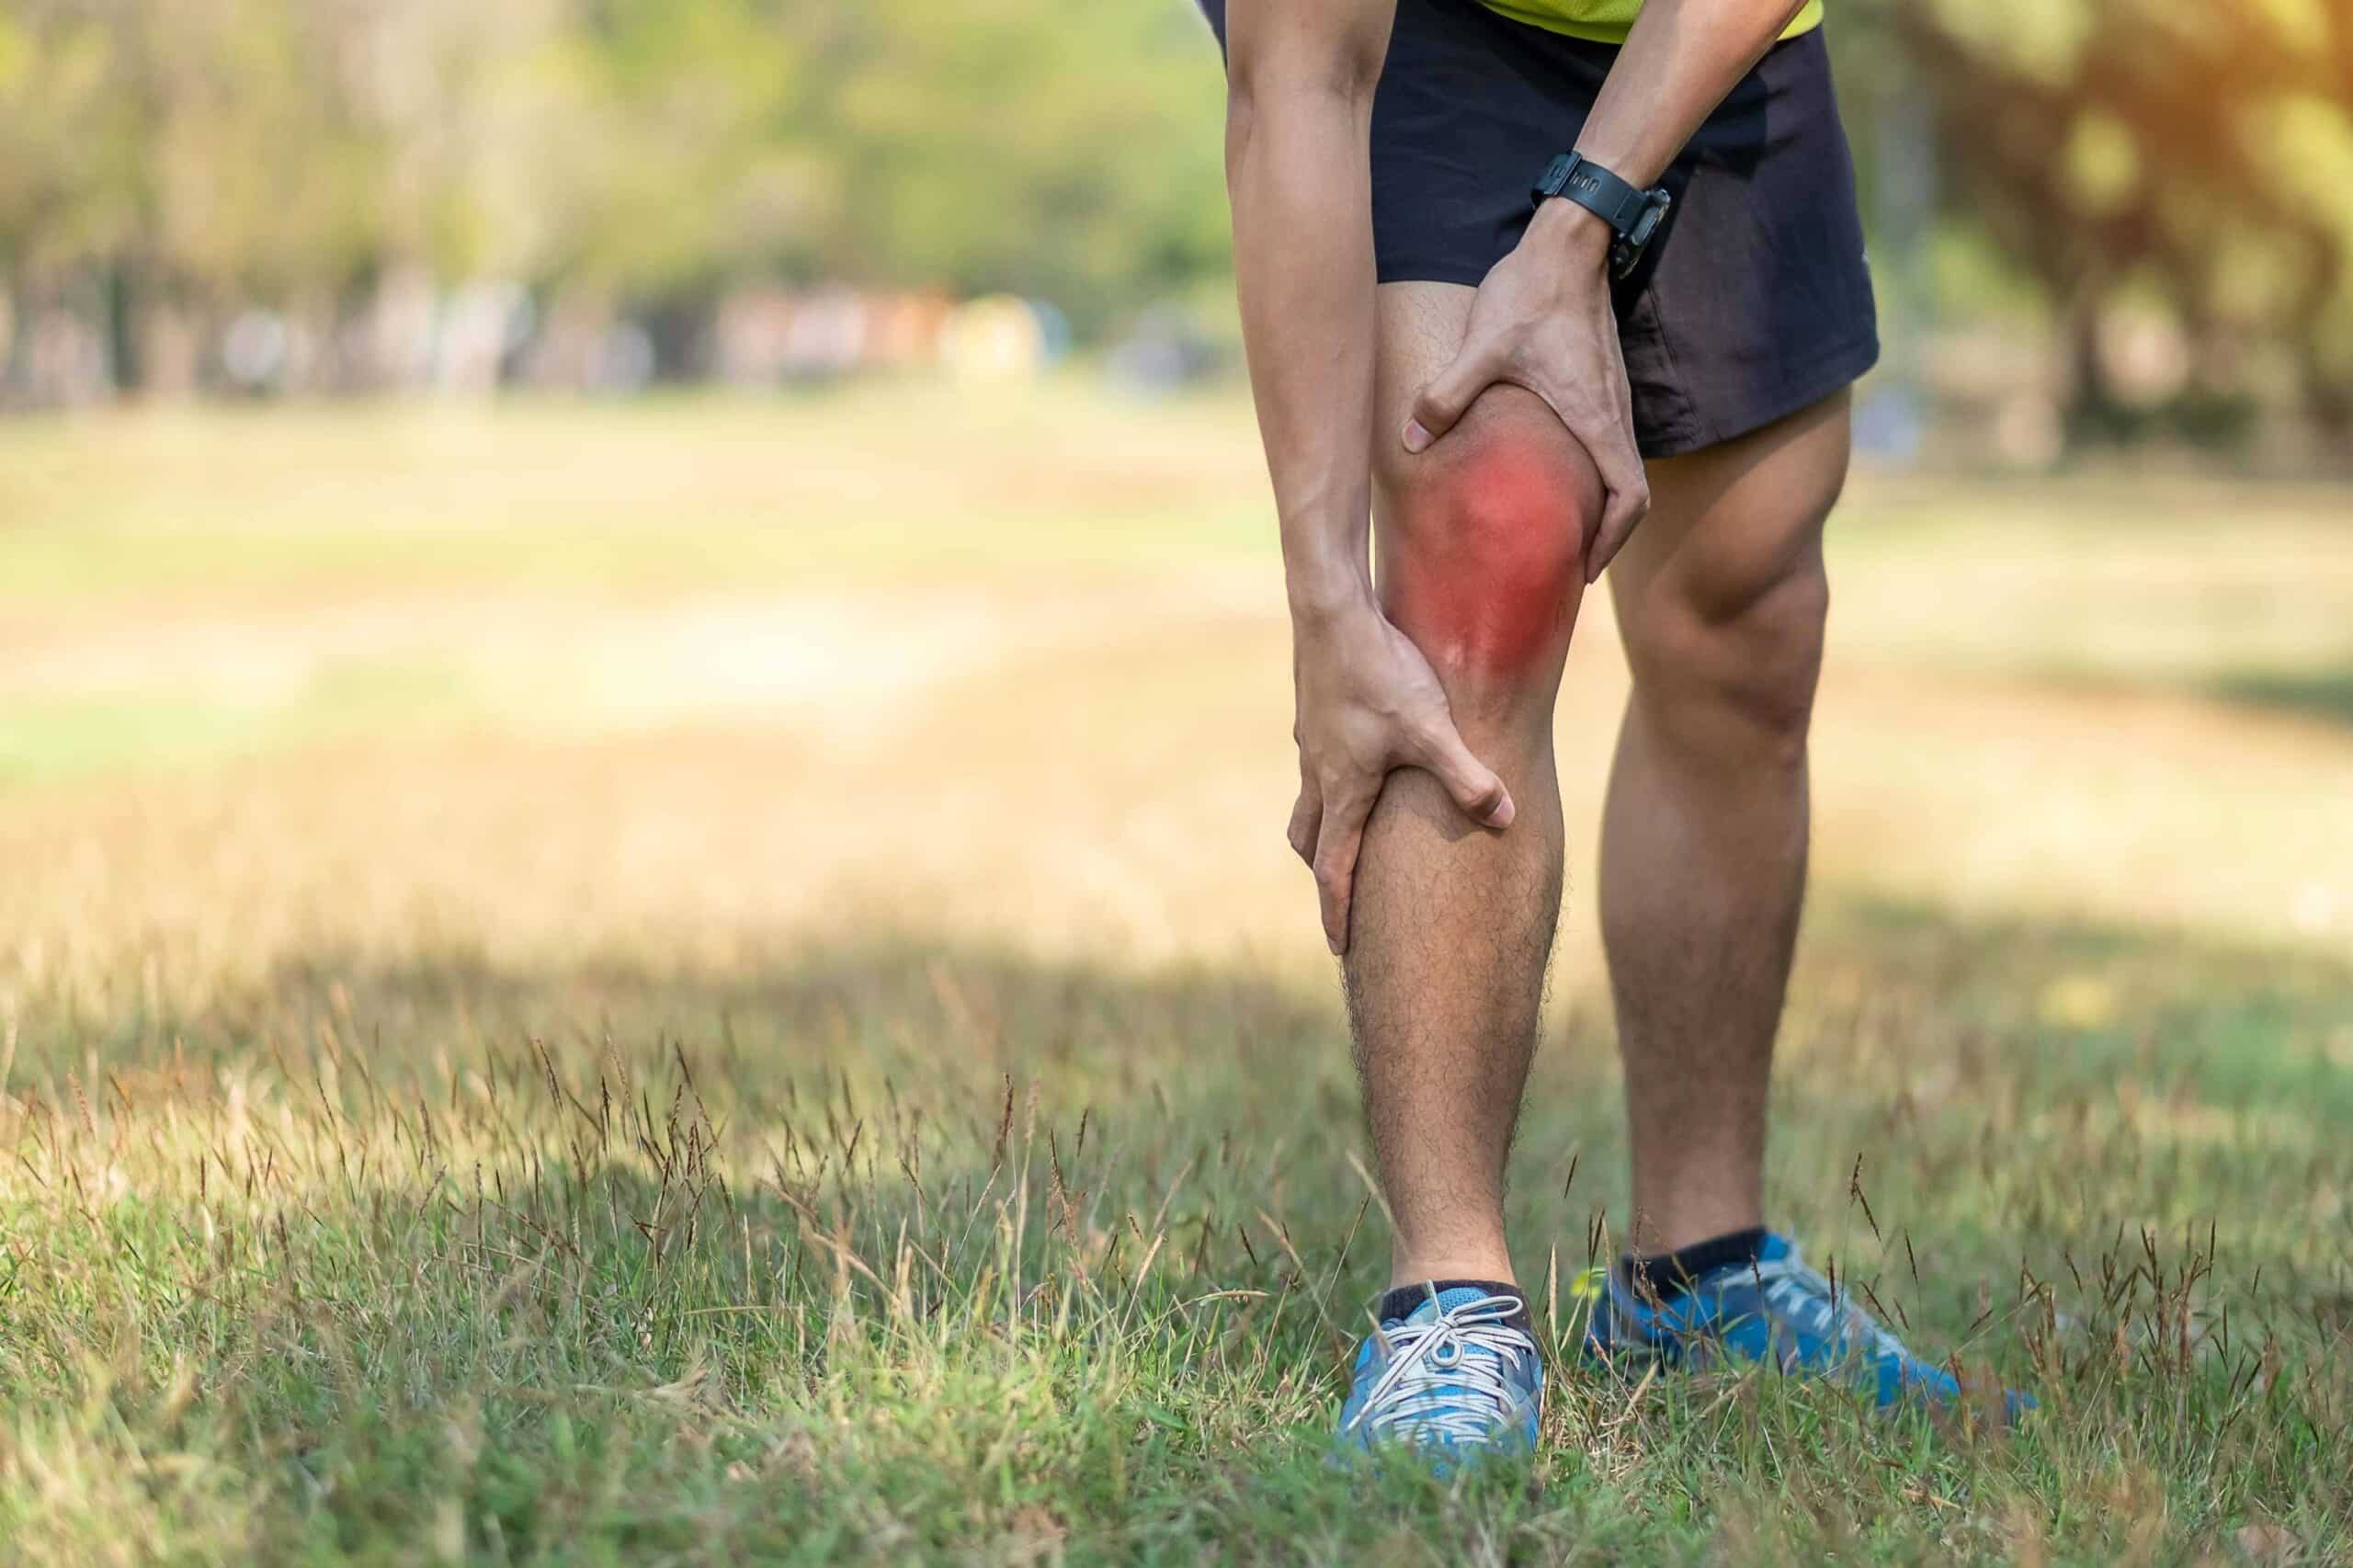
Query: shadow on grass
[(2061, 1002), (935, 1021)]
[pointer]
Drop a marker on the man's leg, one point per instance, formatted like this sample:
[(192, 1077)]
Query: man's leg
[(1480, 561), (1721, 599)]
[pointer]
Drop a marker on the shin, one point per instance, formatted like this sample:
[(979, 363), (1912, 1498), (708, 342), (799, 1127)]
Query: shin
[(1722, 600)]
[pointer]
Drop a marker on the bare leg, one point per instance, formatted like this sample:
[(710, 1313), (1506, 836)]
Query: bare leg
[(1721, 599), (1480, 561)]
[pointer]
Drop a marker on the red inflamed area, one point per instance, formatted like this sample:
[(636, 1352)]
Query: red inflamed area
[(1484, 561)]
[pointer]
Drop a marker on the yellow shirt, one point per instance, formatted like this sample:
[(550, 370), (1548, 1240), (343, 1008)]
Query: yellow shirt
[(1607, 21)]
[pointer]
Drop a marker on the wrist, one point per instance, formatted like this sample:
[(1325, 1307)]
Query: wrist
[(1325, 598), (1575, 233)]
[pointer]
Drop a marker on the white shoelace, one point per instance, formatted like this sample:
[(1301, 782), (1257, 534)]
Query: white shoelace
[(1445, 1378), (1807, 1297)]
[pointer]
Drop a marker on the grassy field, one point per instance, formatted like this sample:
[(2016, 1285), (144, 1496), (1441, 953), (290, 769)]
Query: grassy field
[(720, 980)]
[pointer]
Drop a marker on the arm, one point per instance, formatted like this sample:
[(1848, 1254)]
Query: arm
[(1543, 319), (1681, 59), (1299, 117)]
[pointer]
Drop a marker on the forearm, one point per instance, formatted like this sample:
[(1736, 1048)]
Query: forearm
[(1681, 59), (1297, 167)]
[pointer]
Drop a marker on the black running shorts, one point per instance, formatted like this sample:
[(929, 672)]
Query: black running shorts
[(1755, 299)]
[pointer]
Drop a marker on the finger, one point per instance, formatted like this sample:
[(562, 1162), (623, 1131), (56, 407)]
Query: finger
[(1336, 864), (1475, 786), (1306, 816), (1446, 395), (1627, 493)]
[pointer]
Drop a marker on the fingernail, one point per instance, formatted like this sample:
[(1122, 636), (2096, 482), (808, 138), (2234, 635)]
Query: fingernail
[(1501, 816), (1332, 942), (1415, 437)]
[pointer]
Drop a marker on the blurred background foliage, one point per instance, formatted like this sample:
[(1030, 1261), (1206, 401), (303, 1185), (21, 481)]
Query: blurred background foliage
[(2092, 220), (2189, 163)]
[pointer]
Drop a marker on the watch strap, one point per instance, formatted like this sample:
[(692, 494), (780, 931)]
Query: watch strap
[(1631, 212), (1573, 176)]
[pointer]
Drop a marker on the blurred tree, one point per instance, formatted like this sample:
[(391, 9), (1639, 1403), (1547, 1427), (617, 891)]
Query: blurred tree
[(2189, 157), (1074, 151), (167, 163), (176, 159)]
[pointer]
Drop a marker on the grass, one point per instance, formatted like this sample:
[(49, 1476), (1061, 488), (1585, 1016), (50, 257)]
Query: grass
[(794, 1038)]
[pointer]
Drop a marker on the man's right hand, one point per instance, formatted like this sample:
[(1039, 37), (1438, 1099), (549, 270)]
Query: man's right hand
[(1368, 703)]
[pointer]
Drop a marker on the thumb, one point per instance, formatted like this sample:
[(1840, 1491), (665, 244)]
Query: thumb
[(1475, 786), (1446, 395)]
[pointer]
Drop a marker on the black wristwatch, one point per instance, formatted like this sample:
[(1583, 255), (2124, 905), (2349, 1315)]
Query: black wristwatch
[(1631, 212)]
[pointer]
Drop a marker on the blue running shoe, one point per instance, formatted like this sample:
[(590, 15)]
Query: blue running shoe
[(1776, 1311), (1457, 1378)]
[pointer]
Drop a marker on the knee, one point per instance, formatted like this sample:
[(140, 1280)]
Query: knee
[(1482, 545), (1725, 665)]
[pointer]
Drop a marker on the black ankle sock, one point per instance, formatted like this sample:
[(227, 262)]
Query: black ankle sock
[(1404, 1299), (1667, 1274)]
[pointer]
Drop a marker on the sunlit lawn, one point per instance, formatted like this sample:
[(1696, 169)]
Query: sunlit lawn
[(721, 978)]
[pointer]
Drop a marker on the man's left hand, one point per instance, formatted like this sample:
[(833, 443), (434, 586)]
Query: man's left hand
[(1542, 320)]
